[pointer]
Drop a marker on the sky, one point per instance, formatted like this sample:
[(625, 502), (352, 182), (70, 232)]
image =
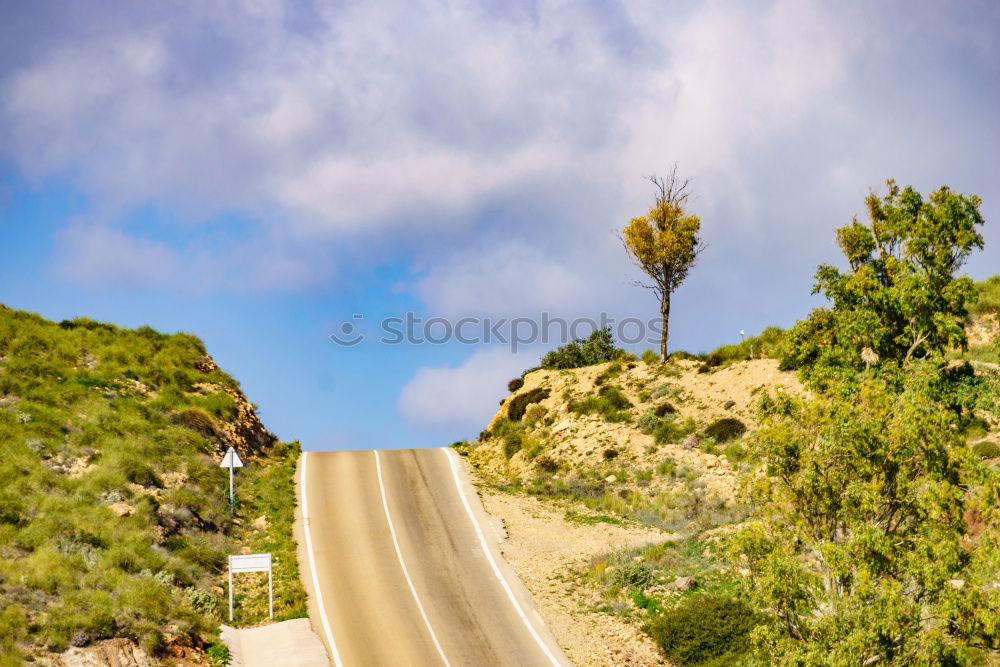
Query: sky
[(267, 175)]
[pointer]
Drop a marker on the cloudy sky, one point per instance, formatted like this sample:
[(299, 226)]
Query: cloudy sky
[(259, 173)]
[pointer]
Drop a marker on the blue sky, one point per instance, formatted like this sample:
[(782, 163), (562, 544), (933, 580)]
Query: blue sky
[(259, 174)]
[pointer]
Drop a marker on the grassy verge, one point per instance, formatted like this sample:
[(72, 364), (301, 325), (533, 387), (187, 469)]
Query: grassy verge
[(114, 517)]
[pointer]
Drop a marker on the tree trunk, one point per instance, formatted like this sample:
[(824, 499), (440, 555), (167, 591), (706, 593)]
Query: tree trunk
[(665, 313)]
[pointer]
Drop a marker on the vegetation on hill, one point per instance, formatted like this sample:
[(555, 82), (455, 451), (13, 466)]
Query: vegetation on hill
[(114, 516), (597, 348), (848, 517)]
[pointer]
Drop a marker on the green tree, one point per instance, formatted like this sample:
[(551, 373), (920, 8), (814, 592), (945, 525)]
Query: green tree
[(664, 244), (900, 296), (860, 550), (596, 348)]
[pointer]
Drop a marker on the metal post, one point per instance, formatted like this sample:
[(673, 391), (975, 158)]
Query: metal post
[(232, 502), (270, 594), (230, 579)]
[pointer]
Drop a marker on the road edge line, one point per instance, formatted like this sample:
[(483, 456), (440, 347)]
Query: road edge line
[(402, 563), (453, 461), (312, 565)]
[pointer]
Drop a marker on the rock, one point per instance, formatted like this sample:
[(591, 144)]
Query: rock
[(119, 652), (690, 442), (728, 404), (956, 583), (261, 523), (681, 584), (122, 509), (637, 559), (610, 479)]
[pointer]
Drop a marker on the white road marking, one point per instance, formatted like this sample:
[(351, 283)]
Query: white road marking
[(453, 460), (312, 566), (402, 564)]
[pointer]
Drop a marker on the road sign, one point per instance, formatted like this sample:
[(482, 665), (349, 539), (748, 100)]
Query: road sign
[(251, 563), (231, 460)]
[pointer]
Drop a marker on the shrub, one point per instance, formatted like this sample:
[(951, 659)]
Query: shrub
[(651, 357), (986, 449), (520, 403), (629, 574), (512, 443), (597, 348), (610, 454), (768, 344), (662, 390), (648, 422), (664, 409), (987, 299), (547, 464), (670, 430), (725, 429), (197, 420), (515, 384), (535, 413), (609, 402), (704, 629)]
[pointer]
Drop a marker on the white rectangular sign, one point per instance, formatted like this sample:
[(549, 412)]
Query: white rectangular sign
[(250, 563)]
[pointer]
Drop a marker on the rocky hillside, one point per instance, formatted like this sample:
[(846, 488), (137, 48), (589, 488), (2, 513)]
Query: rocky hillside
[(114, 518), (647, 441), (619, 482)]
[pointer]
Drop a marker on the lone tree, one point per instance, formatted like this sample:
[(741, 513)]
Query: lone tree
[(665, 243)]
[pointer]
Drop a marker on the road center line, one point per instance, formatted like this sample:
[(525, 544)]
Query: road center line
[(312, 565), (402, 564), (453, 460)]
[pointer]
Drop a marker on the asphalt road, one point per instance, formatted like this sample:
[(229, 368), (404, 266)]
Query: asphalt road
[(403, 567)]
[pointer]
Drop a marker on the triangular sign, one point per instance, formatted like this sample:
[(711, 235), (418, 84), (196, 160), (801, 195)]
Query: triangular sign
[(231, 460)]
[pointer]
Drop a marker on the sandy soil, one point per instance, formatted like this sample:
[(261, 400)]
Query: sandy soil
[(545, 550)]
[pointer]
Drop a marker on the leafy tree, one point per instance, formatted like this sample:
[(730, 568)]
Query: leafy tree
[(665, 243), (597, 348), (899, 297), (861, 551)]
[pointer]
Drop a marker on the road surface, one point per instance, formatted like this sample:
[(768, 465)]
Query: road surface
[(403, 566)]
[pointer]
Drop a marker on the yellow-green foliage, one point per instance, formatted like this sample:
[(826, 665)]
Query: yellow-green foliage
[(987, 299), (113, 516)]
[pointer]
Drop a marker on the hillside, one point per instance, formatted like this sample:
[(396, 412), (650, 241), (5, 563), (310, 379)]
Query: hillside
[(114, 518), (620, 481)]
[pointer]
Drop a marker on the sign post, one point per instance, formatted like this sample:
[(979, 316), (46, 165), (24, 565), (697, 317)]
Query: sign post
[(252, 563), (231, 460)]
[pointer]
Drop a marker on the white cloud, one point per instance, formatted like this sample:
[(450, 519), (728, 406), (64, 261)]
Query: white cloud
[(100, 254), (399, 125), (464, 397)]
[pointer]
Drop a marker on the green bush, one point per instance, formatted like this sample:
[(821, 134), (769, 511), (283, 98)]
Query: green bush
[(648, 422), (651, 357), (664, 409), (519, 404), (725, 429), (704, 629), (610, 454), (597, 348), (670, 430), (629, 574), (609, 402), (515, 384), (512, 443), (769, 344), (987, 300), (986, 449)]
